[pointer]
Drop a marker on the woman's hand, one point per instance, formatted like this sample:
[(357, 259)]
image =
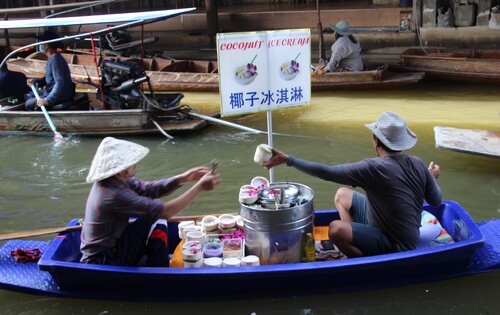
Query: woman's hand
[(319, 71), (193, 174), (209, 181)]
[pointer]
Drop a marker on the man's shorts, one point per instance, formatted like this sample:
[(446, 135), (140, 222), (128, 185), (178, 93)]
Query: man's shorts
[(370, 240)]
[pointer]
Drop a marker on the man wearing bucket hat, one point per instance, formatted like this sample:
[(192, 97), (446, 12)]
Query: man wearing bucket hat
[(57, 85), (387, 218), (116, 196), (346, 51)]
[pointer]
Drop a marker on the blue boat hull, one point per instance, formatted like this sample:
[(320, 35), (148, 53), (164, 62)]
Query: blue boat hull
[(476, 249)]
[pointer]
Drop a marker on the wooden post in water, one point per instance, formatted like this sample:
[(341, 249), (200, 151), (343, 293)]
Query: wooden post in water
[(6, 35), (322, 53), (212, 20)]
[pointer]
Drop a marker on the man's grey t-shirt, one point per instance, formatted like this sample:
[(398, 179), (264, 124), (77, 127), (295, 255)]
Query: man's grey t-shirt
[(396, 187)]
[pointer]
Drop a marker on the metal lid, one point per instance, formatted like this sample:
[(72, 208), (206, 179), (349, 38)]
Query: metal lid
[(268, 194)]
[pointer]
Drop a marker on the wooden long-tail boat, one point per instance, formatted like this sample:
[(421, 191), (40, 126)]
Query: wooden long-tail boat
[(472, 65), (86, 117), (170, 75)]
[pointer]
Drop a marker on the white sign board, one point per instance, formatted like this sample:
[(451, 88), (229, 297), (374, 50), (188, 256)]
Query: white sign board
[(261, 71)]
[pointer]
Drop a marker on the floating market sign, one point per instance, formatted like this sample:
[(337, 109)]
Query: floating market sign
[(261, 71)]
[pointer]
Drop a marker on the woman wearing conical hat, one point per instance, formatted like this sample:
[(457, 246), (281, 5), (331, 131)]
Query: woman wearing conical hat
[(117, 196)]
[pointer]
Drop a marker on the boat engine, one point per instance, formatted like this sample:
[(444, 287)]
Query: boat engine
[(122, 84)]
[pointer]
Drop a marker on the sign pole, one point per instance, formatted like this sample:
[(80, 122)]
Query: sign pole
[(270, 140)]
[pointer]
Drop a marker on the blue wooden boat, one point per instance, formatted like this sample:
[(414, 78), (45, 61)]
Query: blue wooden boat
[(476, 249)]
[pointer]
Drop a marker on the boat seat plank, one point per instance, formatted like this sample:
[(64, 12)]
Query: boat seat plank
[(80, 102)]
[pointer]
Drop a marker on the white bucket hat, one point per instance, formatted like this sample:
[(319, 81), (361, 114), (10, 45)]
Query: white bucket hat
[(342, 27), (113, 156), (392, 131)]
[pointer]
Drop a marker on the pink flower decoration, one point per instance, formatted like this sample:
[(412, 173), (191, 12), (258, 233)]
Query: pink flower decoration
[(252, 69)]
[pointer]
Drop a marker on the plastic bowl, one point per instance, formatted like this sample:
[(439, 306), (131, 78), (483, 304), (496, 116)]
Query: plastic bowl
[(209, 223), (227, 221)]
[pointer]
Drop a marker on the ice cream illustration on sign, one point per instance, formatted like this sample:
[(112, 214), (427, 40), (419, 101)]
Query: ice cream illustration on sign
[(289, 69), (246, 74)]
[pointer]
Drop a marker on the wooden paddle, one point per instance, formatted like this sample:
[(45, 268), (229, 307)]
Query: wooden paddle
[(57, 136), (69, 229)]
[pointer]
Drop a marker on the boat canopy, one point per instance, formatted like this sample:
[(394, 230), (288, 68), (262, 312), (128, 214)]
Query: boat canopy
[(139, 17), (127, 19)]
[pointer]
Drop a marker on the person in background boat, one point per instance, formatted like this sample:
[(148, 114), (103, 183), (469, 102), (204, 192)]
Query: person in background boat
[(57, 86), (387, 217), (346, 51), (13, 84), (117, 196)]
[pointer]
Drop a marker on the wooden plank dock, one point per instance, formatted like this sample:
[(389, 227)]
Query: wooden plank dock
[(480, 142)]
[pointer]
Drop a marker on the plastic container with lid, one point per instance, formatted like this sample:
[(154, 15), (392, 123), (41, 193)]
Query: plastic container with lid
[(196, 264), (231, 262), (232, 247), (212, 249), (250, 260), (212, 262)]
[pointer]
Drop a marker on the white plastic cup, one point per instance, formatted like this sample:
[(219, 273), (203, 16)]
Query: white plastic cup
[(196, 236), (191, 254), (190, 228), (182, 226), (192, 244)]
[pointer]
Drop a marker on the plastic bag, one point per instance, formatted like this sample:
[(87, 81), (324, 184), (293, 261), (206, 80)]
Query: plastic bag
[(445, 17), (494, 22)]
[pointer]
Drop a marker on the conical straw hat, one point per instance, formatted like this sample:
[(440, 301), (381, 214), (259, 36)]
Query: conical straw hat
[(113, 156)]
